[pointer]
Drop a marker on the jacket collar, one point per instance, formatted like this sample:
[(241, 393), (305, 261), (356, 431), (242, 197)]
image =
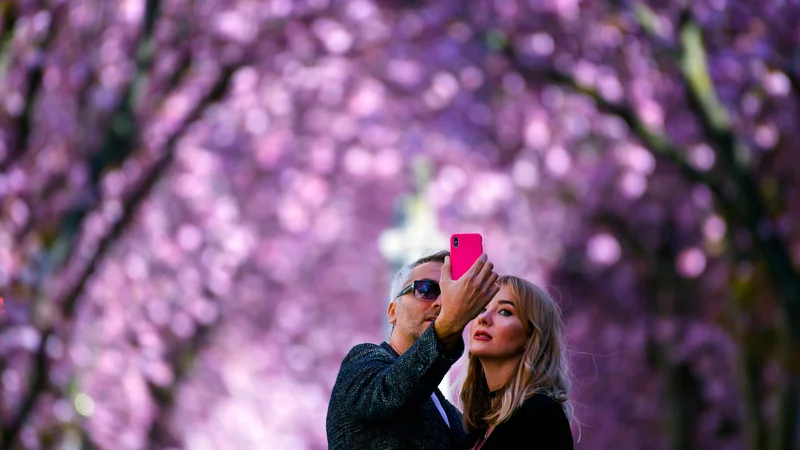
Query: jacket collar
[(385, 345)]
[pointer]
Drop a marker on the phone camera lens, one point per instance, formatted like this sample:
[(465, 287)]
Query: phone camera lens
[(455, 242)]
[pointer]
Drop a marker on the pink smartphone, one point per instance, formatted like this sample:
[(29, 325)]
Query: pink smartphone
[(465, 249)]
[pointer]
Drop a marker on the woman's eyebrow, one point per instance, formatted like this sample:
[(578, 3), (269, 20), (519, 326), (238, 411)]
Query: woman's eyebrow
[(507, 302)]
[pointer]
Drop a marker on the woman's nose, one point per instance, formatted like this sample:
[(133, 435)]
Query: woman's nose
[(483, 317)]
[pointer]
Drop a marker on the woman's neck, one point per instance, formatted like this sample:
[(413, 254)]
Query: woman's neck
[(498, 371)]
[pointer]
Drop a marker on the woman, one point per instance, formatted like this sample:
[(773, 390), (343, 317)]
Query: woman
[(517, 382)]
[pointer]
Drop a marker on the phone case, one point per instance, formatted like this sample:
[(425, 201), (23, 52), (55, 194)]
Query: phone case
[(470, 248)]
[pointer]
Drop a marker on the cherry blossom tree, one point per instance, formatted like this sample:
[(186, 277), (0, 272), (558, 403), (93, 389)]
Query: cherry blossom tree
[(200, 202)]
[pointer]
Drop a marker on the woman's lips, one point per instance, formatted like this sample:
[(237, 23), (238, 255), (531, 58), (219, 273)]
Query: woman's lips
[(481, 336)]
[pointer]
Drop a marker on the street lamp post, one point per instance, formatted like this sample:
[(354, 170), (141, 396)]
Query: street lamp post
[(415, 233)]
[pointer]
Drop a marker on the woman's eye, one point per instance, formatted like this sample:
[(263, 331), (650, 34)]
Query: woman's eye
[(483, 310), (506, 312)]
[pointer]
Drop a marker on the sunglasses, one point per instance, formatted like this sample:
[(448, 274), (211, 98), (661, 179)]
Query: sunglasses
[(425, 290)]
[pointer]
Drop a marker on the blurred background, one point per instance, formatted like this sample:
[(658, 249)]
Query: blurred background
[(202, 204)]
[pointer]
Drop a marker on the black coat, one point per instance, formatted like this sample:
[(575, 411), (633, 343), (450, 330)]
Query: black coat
[(383, 401), (540, 424)]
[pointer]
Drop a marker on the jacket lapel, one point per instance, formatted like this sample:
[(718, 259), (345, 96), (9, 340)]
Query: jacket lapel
[(452, 414)]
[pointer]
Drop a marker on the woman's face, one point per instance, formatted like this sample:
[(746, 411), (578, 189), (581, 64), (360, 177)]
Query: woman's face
[(497, 332)]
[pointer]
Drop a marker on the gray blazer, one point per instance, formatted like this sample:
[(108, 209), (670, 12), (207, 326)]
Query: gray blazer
[(383, 401)]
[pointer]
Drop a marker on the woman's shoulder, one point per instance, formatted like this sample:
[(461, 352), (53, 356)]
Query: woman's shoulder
[(545, 416), (540, 420), (539, 405), (540, 400)]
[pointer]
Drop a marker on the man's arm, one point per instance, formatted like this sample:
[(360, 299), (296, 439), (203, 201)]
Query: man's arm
[(374, 387), (450, 336)]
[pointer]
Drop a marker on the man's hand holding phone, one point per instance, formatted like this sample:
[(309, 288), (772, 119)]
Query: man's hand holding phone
[(464, 299)]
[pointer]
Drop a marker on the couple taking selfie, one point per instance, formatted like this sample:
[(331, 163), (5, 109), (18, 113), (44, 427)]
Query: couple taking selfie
[(515, 395)]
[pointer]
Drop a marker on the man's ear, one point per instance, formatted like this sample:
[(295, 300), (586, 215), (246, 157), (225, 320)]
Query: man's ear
[(391, 312)]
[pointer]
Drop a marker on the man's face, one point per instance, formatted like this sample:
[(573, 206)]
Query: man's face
[(411, 316)]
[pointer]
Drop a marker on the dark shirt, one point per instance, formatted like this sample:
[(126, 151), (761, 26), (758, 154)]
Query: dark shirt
[(382, 400), (540, 424)]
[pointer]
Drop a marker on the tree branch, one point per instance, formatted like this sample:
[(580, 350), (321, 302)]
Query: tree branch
[(656, 142), (41, 370), (132, 205), (702, 95), (716, 126), (120, 140), (683, 395), (145, 55), (745, 206), (181, 361), (34, 76), (794, 80), (9, 13), (747, 210), (184, 64), (83, 98), (148, 183), (751, 213)]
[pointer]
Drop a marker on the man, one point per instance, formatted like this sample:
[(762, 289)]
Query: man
[(386, 396)]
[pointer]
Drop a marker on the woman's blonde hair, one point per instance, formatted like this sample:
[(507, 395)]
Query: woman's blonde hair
[(543, 368)]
